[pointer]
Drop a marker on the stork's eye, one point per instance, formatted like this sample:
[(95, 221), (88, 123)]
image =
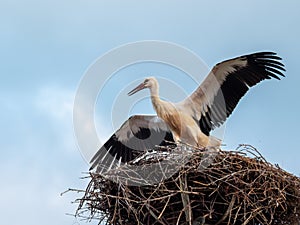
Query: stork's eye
[(145, 81)]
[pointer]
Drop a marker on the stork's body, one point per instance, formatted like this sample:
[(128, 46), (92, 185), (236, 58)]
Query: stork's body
[(183, 126), (191, 120)]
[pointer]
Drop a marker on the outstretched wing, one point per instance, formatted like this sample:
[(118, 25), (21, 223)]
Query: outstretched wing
[(138, 134), (215, 99)]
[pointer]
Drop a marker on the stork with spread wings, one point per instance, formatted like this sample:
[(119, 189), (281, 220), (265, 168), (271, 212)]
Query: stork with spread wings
[(191, 120)]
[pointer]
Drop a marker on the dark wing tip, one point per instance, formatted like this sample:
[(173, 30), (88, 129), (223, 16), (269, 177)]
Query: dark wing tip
[(117, 149), (258, 66), (268, 63), (109, 154)]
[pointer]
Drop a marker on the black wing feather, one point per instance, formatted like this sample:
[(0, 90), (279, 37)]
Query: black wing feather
[(260, 66), (115, 150)]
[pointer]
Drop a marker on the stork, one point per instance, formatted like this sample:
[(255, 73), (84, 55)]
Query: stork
[(191, 120)]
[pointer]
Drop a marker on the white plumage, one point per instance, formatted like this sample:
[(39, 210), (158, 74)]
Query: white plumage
[(191, 120)]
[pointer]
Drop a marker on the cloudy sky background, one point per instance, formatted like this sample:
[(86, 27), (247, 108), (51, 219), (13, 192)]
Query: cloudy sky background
[(47, 46)]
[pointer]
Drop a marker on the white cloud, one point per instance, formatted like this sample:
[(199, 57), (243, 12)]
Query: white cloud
[(55, 105), (43, 161), (56, 102)]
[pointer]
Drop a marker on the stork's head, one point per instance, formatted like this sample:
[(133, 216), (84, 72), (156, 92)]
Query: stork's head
[(149, 82)]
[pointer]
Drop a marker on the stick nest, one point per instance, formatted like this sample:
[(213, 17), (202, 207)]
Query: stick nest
[(194, 188)]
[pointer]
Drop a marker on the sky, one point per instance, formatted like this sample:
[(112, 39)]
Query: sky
[(48, 46)]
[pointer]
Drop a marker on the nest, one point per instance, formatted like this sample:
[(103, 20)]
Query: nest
[(194, 187)]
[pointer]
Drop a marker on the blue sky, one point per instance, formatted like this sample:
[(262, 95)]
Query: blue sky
[(46, 47)]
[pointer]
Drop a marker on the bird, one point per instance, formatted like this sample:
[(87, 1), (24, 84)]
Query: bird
[(191, 120)]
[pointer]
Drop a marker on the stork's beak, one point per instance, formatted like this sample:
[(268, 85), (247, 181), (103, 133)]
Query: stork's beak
[(138, 88)]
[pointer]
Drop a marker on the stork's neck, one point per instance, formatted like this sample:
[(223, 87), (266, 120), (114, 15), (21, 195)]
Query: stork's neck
[(154, 92), (155, 97)]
